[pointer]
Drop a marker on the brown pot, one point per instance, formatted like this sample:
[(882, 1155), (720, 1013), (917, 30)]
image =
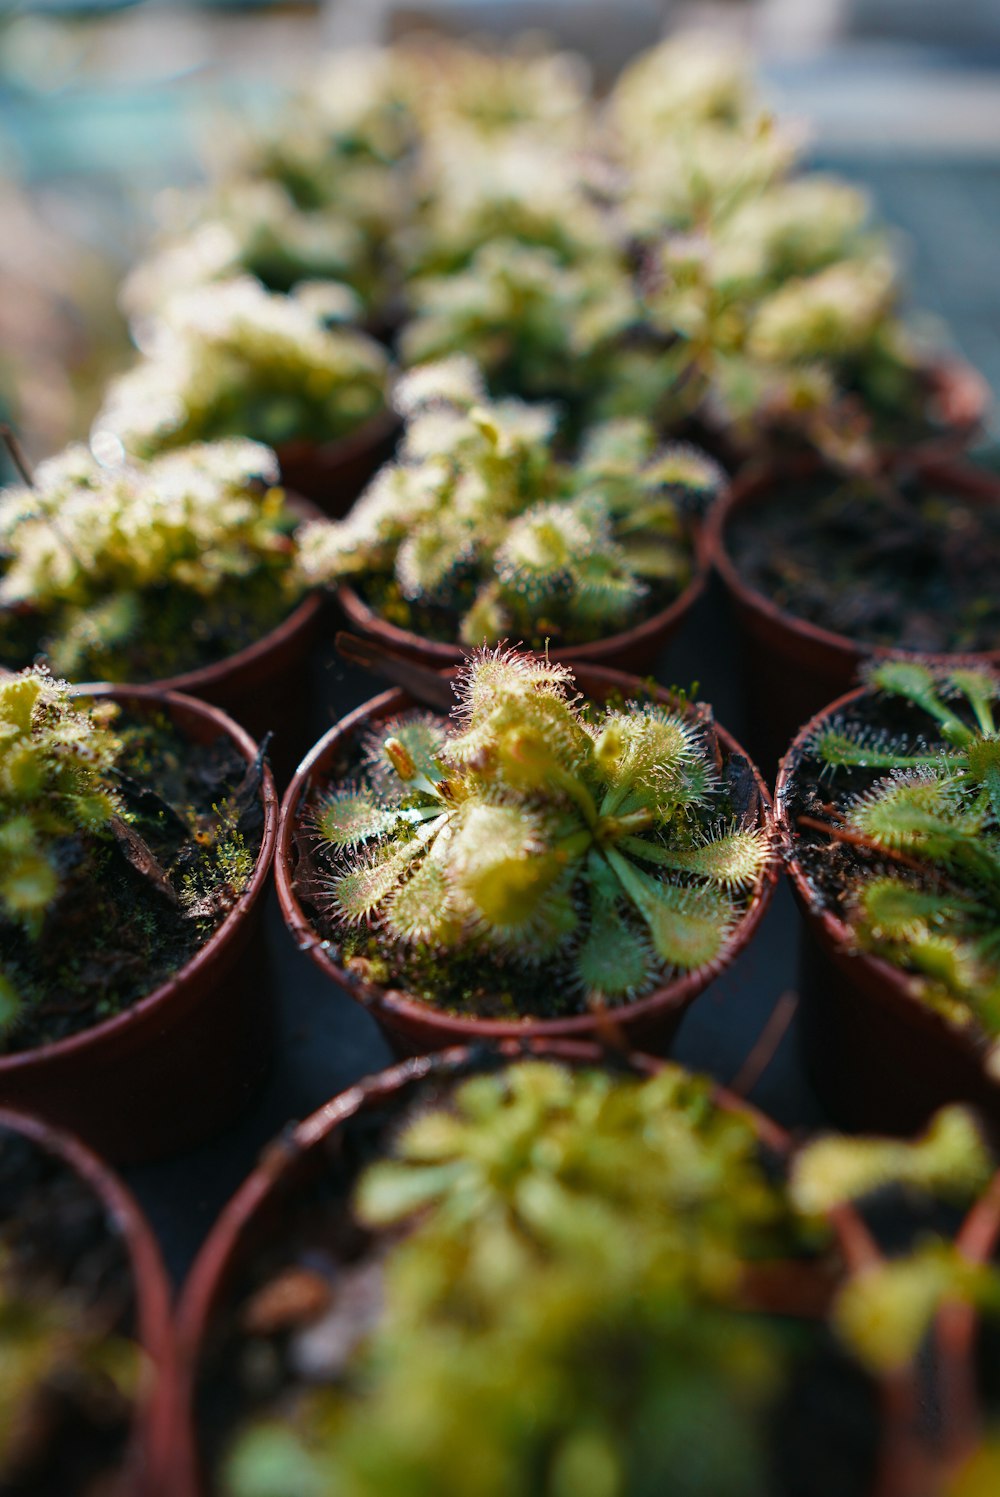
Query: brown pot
[(637, 649), (181, 1063), (256, 1214), (880, 1059), (413, 1026), (154, 1328), (332, 474), (793, 667)]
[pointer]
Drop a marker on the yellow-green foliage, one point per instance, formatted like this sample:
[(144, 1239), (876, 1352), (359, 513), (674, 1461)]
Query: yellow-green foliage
[(530, 832), (478, 516), (939, 806), (96, 557), (558, 1315), (951, 1160), (232, 359)]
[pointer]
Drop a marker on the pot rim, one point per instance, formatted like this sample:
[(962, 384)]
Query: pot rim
[(902, 989), (371, 623), (396, 1003), (81, 1043), (752, 488)]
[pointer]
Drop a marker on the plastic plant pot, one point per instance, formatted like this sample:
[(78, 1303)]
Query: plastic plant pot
[(636, 649), (153, 1330), (182, 1062), (793, 667), (413, 1026), (257, 1214), (879, 1057), (332, 474)]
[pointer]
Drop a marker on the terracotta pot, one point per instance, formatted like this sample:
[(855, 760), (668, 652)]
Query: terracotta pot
[(256, 1214), (332, 474), (637, 649), (153, 1321), (413, 1026), (265, 686), (880, 1059), (181, 1063), (791, 666)]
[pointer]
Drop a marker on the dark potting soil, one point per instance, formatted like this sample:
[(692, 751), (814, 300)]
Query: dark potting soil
[(823, 1435), (904, 564), (174, 632), (120, 927), (57, 1241), (473, 983)]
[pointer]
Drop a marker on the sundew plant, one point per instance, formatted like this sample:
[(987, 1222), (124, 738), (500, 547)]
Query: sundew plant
[(480, 530), (233, 359), (596, 851), (929, 898), (145, 570), (561, 1308)]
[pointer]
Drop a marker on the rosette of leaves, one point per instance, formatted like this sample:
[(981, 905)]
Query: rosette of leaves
[(337, 142), (234, 359), (691, 79), (55, 783), (478, 530), (784, 319), (106, 886), (558, 1311), (255, 228), (536, 327), (595, 854), (928, 896), (142, 571)]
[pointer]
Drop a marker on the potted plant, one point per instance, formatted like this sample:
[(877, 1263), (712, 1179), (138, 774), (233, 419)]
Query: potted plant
[(772, 304), (138, 828), (919, 1275), (182, 571), (479, 533), (888, 808), (527, 865), (493, 1267), (232, 359), (86, 1341), (826, 571), (537, 328)]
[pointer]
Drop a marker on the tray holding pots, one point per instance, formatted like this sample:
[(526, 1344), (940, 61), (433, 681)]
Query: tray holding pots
[(183, 1061)]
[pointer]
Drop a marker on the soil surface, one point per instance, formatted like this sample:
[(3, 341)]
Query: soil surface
[(121, 926), (57, 1241), (902, 564)]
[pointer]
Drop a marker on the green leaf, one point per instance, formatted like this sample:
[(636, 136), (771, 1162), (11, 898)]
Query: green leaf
[(688, 927), (734, 860), (347, 818), (613, 961)]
